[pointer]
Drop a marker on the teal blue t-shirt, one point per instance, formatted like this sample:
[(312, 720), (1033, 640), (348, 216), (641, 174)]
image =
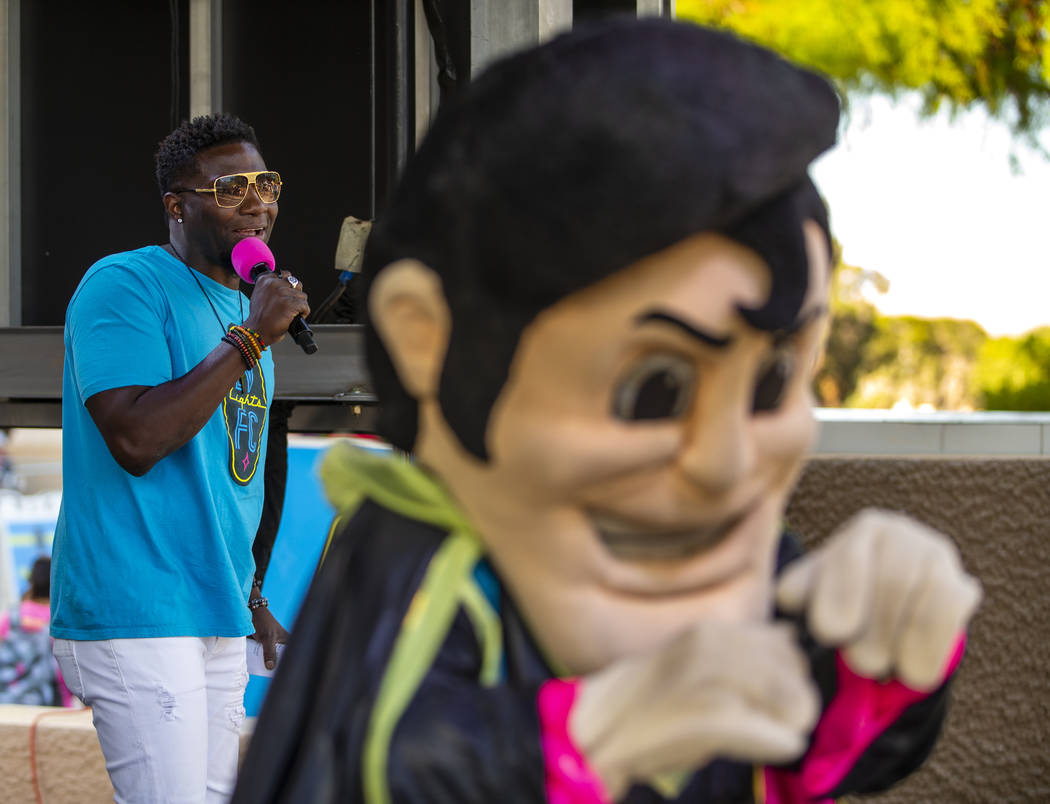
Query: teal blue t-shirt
[(168, 553)]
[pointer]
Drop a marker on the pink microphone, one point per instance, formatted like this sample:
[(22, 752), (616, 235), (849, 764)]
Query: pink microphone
[(251, 258)]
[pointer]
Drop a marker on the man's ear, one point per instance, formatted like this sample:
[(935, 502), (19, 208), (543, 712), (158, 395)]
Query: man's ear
[(172, 205), (408, 308)]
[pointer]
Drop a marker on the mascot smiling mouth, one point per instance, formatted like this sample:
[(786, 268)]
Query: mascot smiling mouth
[(635, 542)]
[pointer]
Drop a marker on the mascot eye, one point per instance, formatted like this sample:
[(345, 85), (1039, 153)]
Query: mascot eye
[(773, 379), (658, 387)]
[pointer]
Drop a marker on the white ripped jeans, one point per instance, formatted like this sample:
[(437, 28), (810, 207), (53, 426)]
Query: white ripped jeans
[(168, 712)]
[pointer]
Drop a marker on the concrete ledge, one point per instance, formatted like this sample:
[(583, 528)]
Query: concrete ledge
[(69, 765), (860, 433)]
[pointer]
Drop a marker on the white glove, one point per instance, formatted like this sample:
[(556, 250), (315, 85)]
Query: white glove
[(889, 591), (718, 690)]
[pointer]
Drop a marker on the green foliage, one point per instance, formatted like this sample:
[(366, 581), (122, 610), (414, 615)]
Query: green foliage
[(1014, 373), (878, 361), (956, 52), (851, 328), (919, 362)]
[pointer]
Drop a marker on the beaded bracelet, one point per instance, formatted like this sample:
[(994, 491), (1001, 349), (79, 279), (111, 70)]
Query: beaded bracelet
[(243, 335), (227, 338), (252, 342), (257, 583), (258, 603), (240, 346), (252, 333), (252, 337)]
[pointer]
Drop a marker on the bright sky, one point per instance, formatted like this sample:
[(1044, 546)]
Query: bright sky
[(934, 207)]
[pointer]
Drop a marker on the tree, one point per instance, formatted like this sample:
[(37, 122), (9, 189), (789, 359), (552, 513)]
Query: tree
[(877, 361), (1014, 373), (919, 362), (850, 329), (958, 53)]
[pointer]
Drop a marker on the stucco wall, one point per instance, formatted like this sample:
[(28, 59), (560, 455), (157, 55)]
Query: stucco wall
[(68, 761), (996, 743), (60, 746)]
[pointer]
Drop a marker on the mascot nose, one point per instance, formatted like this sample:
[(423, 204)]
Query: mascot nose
[(719, 449)]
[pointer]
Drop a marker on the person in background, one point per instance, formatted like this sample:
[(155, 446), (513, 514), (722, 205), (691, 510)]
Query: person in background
[(166, 389), (28, 672)]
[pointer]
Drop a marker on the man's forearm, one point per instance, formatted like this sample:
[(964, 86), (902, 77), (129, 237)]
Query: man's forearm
[(142, 424)]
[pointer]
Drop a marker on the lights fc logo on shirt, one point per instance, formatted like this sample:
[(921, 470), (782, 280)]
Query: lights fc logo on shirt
[(244, 409)]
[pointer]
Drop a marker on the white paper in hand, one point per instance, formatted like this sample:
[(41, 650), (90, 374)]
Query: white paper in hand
[(256, 663)]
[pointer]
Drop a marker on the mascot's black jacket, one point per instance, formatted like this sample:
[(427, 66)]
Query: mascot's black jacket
[(411, 676)]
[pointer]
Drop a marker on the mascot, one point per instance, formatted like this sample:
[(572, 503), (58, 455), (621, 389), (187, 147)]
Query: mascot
[(595, 304)]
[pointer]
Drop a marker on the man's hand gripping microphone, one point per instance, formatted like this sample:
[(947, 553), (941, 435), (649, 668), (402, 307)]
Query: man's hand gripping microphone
[(251, 258)]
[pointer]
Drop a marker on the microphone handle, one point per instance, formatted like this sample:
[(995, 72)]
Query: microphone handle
[(303, 335), (298, 329)]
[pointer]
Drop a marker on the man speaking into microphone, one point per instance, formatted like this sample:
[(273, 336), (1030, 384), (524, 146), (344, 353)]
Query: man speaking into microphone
[(167, 384)]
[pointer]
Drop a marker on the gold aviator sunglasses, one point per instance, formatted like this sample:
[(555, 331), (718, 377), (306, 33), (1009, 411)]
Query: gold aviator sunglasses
[(231, 190)]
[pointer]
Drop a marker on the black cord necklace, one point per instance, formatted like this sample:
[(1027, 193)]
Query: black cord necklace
[(207, 298)]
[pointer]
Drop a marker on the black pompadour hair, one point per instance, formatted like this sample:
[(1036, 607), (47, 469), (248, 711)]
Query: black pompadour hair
[(567, 162), (177, 153)]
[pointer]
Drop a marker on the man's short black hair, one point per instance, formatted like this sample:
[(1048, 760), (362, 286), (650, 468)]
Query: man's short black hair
[(570, 161), (177, 153)]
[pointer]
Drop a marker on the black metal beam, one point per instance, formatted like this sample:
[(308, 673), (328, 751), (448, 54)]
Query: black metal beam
[(31, 363), (31, 413), (331, 388)]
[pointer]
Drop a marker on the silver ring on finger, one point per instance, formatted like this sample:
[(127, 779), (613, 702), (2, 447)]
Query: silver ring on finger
[(292, 281)]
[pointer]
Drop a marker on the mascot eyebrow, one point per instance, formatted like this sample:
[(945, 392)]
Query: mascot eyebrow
[(691, 330), (804, 319)]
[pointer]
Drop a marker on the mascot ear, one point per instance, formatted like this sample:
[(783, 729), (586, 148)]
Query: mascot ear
[(408, 309)]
